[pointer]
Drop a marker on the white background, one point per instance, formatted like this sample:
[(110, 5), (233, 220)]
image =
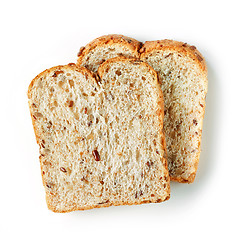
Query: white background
[(36, 35)]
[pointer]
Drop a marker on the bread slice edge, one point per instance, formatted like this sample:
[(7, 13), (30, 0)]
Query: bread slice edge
[(191, 52), (109, 40)]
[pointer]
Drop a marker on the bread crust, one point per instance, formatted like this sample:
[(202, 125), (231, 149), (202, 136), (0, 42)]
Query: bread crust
[(196, 56), (108, 40), (50, 207)]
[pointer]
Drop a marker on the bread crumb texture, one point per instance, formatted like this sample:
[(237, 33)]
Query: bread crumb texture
[(100, 138), (183, 79)]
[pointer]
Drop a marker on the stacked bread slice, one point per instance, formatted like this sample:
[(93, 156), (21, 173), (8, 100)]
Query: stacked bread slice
[(101, 138), (182, 76), (100, 123)]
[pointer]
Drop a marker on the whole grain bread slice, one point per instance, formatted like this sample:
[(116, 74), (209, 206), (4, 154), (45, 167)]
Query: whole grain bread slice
[(106, 47), (182, 73), (100, 137)]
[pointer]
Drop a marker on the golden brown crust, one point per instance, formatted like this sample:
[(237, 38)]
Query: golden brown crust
[(180, 47), (107, 40), (195, 55), (190, 179), (50, 206)]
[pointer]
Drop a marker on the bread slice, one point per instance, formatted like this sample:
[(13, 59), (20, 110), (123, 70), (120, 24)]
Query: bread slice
[(183, 77), (106, 47), (100, 137)]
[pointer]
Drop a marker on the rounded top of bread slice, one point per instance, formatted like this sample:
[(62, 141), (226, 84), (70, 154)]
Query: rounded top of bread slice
[(187, 50), (54, 72), (105, 47)]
